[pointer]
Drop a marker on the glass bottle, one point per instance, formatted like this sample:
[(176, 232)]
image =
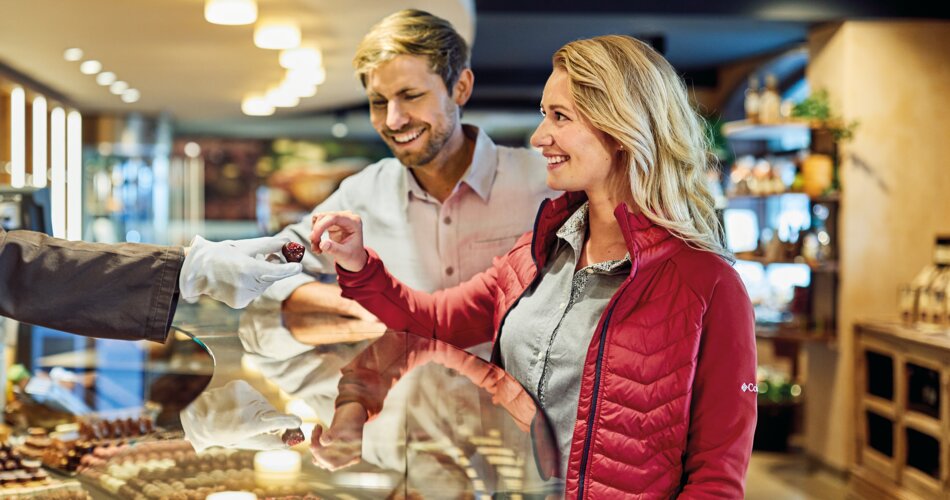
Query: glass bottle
[(751, 102), (770, 102)]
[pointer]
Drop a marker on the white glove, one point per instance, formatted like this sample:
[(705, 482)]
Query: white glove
[(235, 416), (232, 271)]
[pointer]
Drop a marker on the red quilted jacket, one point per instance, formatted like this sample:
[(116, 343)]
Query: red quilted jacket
[(667, 404)]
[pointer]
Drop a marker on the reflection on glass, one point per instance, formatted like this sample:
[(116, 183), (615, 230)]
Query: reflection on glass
[(383, 414)]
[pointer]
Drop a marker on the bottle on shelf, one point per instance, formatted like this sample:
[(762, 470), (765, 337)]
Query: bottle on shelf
[(770, 102), (817, 172), (751, 102), (925, 299)]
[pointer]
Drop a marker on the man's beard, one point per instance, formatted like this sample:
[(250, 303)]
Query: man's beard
[(435, 143)]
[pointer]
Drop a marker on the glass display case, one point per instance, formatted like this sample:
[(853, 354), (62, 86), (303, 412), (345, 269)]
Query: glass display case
[(277, 406)]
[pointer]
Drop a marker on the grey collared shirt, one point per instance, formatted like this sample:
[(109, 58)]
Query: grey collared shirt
[(545, 350)]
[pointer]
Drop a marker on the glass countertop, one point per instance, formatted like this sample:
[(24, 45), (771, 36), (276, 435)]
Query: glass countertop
[(281, 405)]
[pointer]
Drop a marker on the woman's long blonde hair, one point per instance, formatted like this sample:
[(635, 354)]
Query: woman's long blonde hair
[(630, 92)]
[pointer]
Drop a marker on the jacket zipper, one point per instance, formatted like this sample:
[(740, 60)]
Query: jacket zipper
[(593, 402), (591, 418)]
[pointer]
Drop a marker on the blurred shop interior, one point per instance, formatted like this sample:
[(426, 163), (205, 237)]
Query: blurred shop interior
[(144, 122)]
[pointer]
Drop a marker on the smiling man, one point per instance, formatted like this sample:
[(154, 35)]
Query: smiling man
[(450, 200)]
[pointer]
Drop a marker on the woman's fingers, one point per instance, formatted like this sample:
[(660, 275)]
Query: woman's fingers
[(341, 226)]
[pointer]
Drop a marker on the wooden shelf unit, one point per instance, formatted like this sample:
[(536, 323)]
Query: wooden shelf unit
[(902, 412)]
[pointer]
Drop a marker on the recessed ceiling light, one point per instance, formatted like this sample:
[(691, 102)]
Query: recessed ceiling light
[(230, 12), (276, 35), (280, 98), (315, 76), (339, 130), (105, 78), (256, 105), (130, 96), (299, 89), (72, 54), (301, 57), (192, 149), (118, 87), (90, 67)]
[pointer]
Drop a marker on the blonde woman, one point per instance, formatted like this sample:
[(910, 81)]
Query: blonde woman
[(620, 312)]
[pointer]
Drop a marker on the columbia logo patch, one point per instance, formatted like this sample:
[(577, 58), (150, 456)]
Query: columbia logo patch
[(750, 388)]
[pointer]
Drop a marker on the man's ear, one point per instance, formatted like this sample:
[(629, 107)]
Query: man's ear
[(463, 87)]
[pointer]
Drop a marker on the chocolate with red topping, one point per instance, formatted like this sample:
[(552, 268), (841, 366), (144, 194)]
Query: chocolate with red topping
[(292, 437), (292, 251)]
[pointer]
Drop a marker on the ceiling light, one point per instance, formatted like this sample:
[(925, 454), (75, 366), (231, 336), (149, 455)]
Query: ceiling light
[(315, 76), (301, 57), (230, 12), (281, 98), (192, 149), (130, 96), (118, 87), (256, 105), (105, 78), (72, 54), (276, 35), (339, 130), (299, 89), (90, 67)]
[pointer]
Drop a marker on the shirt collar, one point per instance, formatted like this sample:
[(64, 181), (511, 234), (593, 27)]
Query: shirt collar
[(479, 176), (573, 231), (481, 173)]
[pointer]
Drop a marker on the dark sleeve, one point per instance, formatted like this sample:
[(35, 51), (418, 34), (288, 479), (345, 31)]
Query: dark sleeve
[(124, 291)]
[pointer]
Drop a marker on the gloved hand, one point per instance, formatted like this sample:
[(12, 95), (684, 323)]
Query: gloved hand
[(235, 416), (234, 271)]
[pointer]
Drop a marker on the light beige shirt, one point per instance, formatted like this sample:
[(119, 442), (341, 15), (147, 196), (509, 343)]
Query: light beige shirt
[(427, 244)]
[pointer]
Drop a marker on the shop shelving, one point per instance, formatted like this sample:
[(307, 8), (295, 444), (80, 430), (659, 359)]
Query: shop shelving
[(745, 130), (813, 313)]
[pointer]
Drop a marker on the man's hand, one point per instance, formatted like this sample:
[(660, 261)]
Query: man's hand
[(342, 444), (233, 272), (326, 298), (346, 239)]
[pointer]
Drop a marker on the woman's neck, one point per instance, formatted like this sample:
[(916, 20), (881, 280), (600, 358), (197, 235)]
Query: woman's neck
[(604, 240)]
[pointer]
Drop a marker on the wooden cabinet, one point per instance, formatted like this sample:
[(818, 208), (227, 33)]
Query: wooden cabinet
[(902, 412)]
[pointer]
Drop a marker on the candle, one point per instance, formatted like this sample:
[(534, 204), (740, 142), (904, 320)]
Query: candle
[(276, 467), (232, 495)]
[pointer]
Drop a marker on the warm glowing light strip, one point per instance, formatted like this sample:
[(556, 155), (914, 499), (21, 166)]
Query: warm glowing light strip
[(39, 142), (58, 177), (18, 136), (74, 176)]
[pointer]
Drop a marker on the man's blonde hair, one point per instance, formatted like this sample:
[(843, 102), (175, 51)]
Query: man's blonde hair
[(418, 33), (630, 92)]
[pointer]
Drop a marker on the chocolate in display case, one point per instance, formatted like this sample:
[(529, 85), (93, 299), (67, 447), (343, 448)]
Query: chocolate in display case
[(329, 408)]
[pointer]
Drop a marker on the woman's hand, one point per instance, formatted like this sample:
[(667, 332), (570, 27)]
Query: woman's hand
[(346, 239), (342, 444)]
